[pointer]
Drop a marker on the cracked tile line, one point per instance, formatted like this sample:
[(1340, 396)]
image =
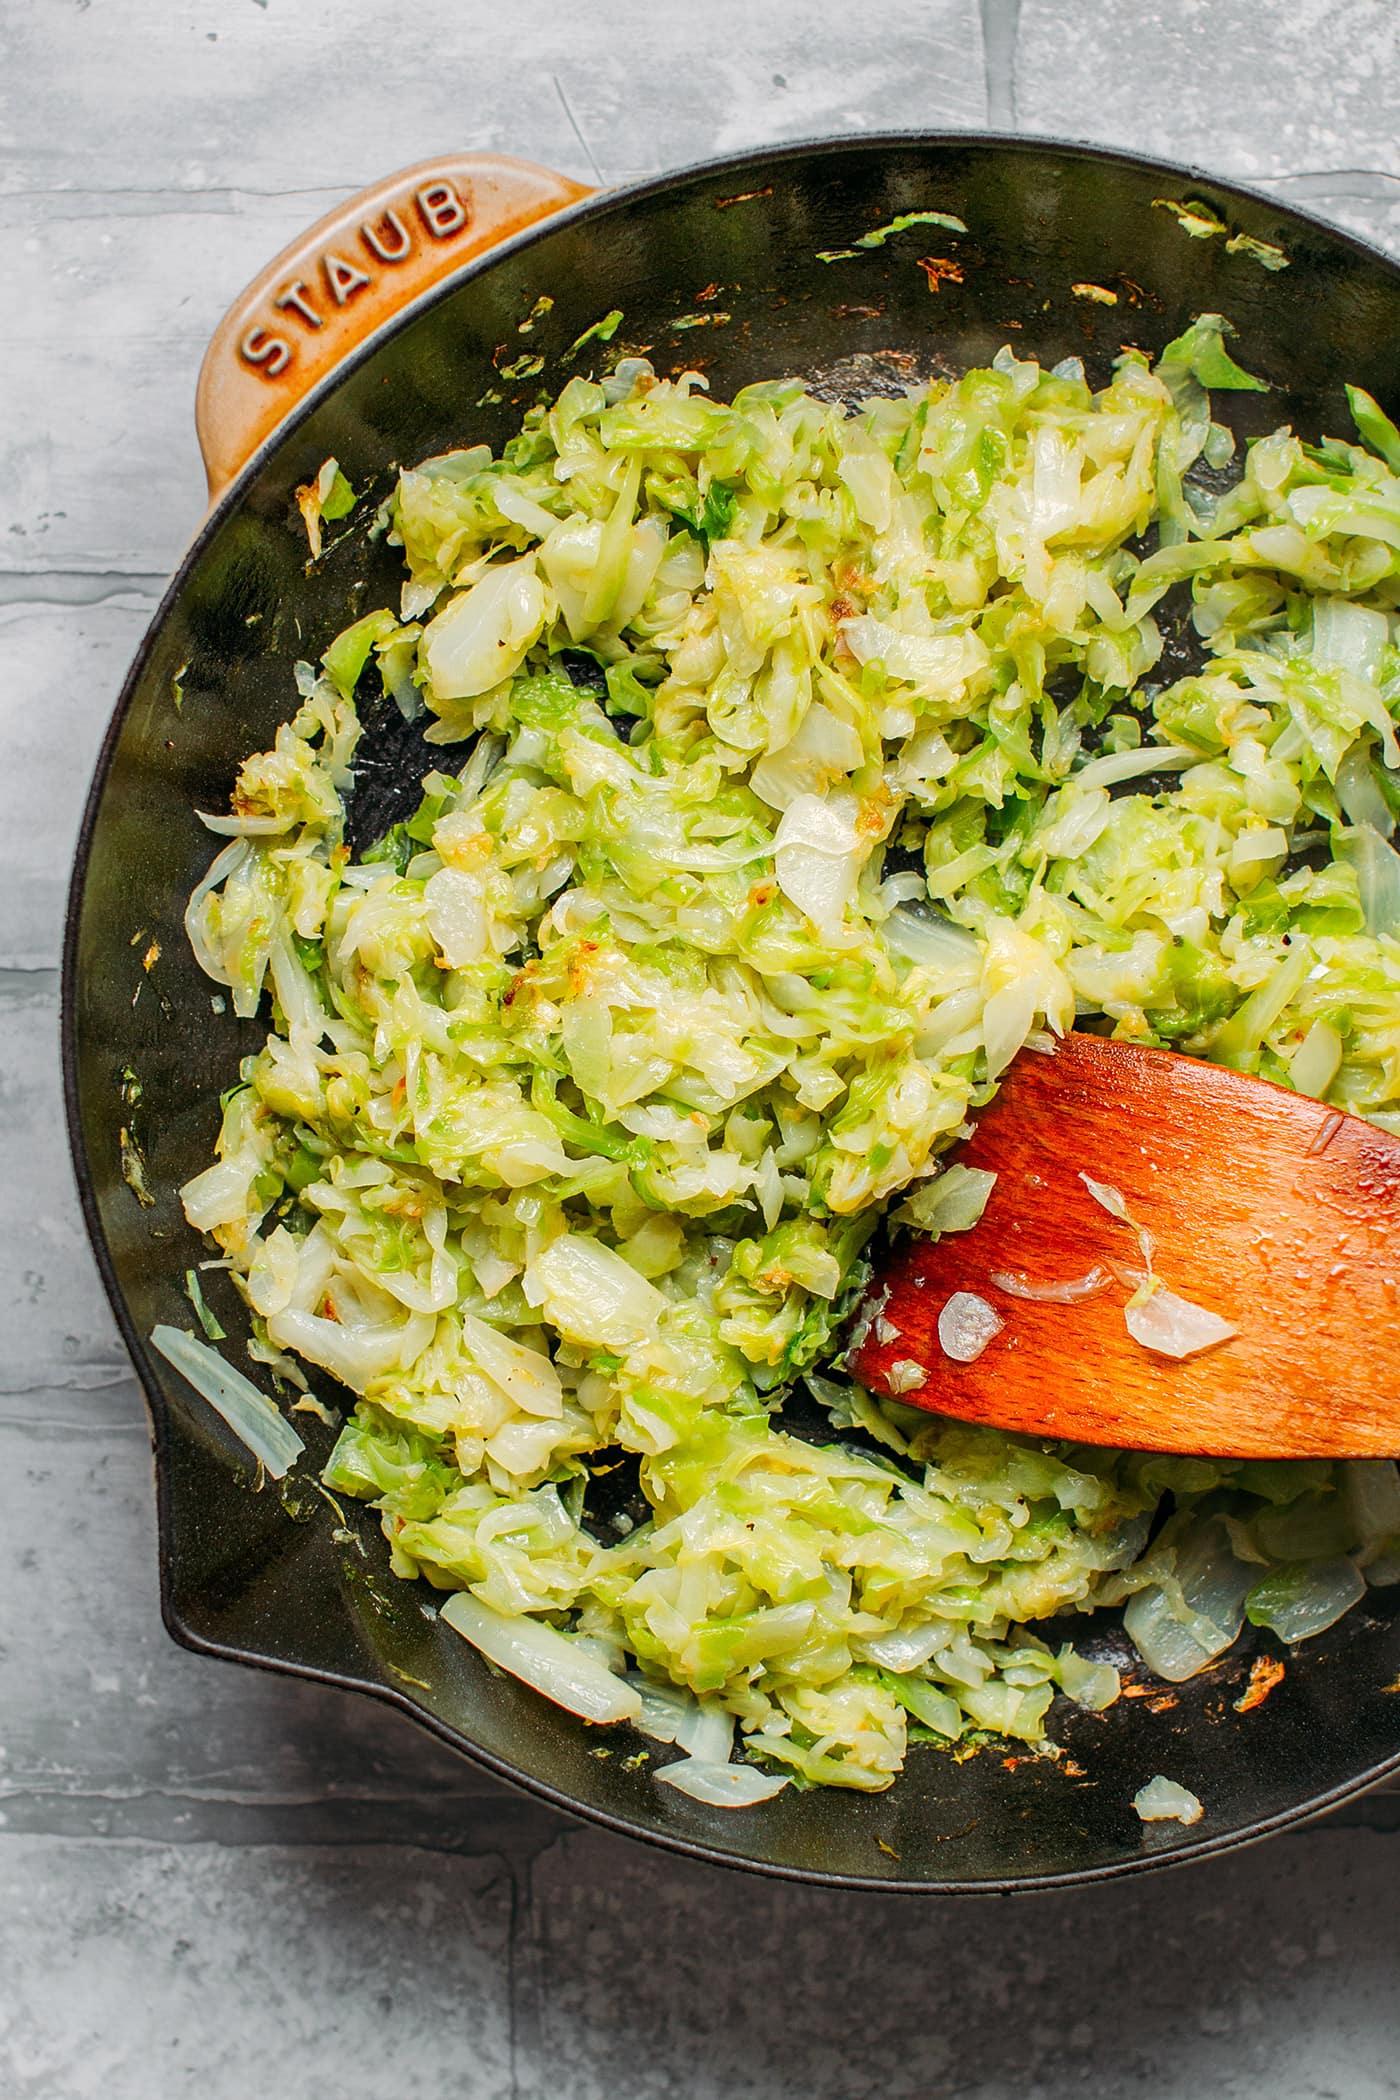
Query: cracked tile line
[(577, 130), (1001, 28)]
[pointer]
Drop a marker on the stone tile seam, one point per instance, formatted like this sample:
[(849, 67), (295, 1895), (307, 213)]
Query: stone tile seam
[(1001, 116), (225, 1797), (22, 588)]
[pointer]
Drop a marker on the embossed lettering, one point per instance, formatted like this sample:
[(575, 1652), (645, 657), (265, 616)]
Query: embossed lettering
[(378, 244), (296, 297), (268, 354), (343, 278), (442, 209)]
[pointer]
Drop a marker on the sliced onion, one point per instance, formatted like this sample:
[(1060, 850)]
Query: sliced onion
[(1377, 866), (235, 827), (455, 909), (1163, 1801), (1315, 1063), (1007, 1018), (1173, 1326), (907, 1649), (248, 1411), (905, 1376), (706, 1733), (1094, 1686), (1360, 797), (721, 1786), (525, 1376), (927, 937), (1017, 1284), (1305, 1599), (1113, 1201), (1111, 1198), (953, 1202), (966, 1325), (224, 864), (1126, 765), (1182, 1623), (701, 1727), (817, 856), (542, 1657), (1372, 1490)]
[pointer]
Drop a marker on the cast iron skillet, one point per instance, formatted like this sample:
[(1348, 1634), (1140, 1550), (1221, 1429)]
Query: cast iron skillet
[(270, 1578)]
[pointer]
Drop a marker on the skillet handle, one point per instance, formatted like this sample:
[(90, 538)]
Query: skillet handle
[(347, 276)]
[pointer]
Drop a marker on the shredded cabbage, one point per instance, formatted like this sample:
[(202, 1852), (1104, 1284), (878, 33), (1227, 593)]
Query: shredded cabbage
[(1165, 1801), (807, 766)]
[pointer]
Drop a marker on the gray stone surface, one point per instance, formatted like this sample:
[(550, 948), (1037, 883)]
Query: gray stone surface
[(223, 1884)]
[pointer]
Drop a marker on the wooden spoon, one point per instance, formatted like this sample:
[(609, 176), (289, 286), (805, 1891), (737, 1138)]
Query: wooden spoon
[(1265, 1207)]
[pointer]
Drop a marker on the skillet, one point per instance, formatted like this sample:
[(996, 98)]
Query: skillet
[(430, 314)]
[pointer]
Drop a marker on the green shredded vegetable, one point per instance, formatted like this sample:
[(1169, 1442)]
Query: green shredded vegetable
[(797, 767), (208, 1320), (601, 332), (905, 219)]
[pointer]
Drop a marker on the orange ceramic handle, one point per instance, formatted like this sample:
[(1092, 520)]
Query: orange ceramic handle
[(352, 272)]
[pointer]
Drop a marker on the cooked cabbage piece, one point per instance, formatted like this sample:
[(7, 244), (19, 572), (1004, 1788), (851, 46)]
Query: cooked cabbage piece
[(798, 765)]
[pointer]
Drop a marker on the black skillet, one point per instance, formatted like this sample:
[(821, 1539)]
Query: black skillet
[(1068, 251)]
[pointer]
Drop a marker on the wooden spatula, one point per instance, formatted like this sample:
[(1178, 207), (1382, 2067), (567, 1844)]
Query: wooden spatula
[(1264, 1207)]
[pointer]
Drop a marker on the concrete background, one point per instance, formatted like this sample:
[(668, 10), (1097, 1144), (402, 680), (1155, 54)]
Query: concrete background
[(218, 1884)]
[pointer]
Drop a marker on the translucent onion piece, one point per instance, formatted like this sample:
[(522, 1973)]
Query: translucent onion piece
[(926, 937), (1113, 1201), (1111, 1198), (1377, 866), (233, 827), (1360, 797), (481, 637), (229, 862), (1126, 765), (525, 1375), (249, 1413), (966, 1325), (721, 1786), (663, 1708), (544, 1658), (1163, 1801), (1316, 1061), (908, 1649), (1094, 1686), (1017, 1284), (952, 1203), (701, 1727), (1173, 1326), (1180, 1624), (1372, 1490), (906, 1376), (1304, 1598), (591, 1294)]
